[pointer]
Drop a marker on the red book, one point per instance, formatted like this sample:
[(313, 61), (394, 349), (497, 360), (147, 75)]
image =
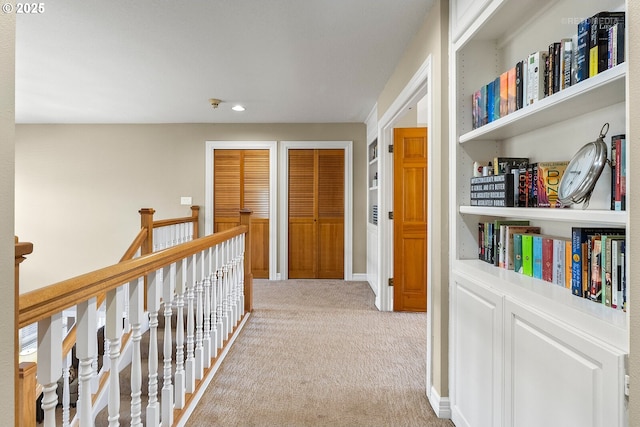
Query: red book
[(547, 258)]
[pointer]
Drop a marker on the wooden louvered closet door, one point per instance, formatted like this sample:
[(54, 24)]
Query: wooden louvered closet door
[(241, 181), (316, 214)]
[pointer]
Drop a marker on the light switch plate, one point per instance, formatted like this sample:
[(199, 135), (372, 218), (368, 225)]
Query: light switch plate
[(186, 200)]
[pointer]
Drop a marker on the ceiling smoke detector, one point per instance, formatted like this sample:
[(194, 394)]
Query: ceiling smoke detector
[(214, 102)]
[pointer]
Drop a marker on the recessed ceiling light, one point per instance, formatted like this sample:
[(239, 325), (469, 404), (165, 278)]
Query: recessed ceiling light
[(237, 108)]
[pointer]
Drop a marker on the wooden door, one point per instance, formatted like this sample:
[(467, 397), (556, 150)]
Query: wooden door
[(316, 214), (241, 181), (410, 219)]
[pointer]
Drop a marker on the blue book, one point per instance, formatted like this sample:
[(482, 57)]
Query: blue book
[(490, 102), (582, 54), (496, 98), (537, 256)]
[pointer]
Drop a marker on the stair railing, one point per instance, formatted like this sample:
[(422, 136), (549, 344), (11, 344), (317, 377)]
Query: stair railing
[(210, 275)]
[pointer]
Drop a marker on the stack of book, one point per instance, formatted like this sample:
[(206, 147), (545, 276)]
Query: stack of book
[(597, 46), (532, 184)]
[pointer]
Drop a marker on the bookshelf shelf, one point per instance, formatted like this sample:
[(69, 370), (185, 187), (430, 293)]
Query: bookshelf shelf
[(589, 216), (605, 89)]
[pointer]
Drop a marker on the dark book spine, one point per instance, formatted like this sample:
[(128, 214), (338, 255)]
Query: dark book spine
[(549, 69), (599, 39), (582, 52), (557, 62), (519, 84)]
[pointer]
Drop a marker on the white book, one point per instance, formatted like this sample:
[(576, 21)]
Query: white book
[(558, 261), (535, 76)]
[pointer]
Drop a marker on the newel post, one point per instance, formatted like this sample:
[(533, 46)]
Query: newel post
[(195, 211), (245, 219), (146, 221)]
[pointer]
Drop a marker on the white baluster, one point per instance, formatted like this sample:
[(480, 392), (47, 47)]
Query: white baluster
[(50, 364), (199, 351), (113, 330), (153, 305), (66, 397), (227, 290), (190, 374), (242, 249), (180, 381), (206, 339), (86, 351), (219, 289), (136, 311), (168, 288), (236, 279)]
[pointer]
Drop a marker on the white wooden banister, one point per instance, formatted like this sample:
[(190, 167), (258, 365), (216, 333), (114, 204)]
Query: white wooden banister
[(198, 279)]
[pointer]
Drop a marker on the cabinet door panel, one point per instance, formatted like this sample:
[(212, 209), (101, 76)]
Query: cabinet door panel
[(476, 325), (558, 377)]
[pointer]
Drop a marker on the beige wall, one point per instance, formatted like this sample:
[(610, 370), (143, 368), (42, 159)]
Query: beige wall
[(432, 39), (633, 118), (7, 251), (79, 187)]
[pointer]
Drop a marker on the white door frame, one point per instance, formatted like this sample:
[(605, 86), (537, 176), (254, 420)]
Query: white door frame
[(418, 87), (347, 146), (210, 146)]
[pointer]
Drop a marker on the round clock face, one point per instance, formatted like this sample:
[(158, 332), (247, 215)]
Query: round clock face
[(582, 172)]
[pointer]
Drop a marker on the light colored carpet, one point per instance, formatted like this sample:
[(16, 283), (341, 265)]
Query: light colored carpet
[(318, 353)]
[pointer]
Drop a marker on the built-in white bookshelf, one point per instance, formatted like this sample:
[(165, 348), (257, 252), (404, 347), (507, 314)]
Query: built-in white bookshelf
[(519, 344)]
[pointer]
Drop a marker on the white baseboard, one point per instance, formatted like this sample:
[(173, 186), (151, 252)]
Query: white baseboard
[(441, 405), (359, 277)]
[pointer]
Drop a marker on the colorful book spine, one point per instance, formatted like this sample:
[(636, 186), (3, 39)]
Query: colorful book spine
[(496, 98), (500, 239), (511, 90), (513, 248), (527, 254), (595, 261), (559, 259), (579, 239), (537, 256), (548, 181), (504, 94), (567, 264), (490, 102), (547, 259), (517, 253), (599, 39)]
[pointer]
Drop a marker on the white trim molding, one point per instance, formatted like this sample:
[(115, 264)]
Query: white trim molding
[(210, 146), (347, 146), (441, 405), (418, 87)]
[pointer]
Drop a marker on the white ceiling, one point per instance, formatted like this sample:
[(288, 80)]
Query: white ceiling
[(159, 61)]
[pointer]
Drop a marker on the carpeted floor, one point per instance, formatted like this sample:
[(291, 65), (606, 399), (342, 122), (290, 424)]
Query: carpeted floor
[(318, 353)]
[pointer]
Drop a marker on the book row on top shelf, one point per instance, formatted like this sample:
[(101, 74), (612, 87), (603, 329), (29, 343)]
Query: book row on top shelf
[(597, 45)]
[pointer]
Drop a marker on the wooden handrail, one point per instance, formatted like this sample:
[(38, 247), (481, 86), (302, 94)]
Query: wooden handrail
[(135, 245), (45, 302), (173, 221)]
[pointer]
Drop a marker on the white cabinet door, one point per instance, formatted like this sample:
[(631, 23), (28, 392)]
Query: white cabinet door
[(557, 376), (476, 345)]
